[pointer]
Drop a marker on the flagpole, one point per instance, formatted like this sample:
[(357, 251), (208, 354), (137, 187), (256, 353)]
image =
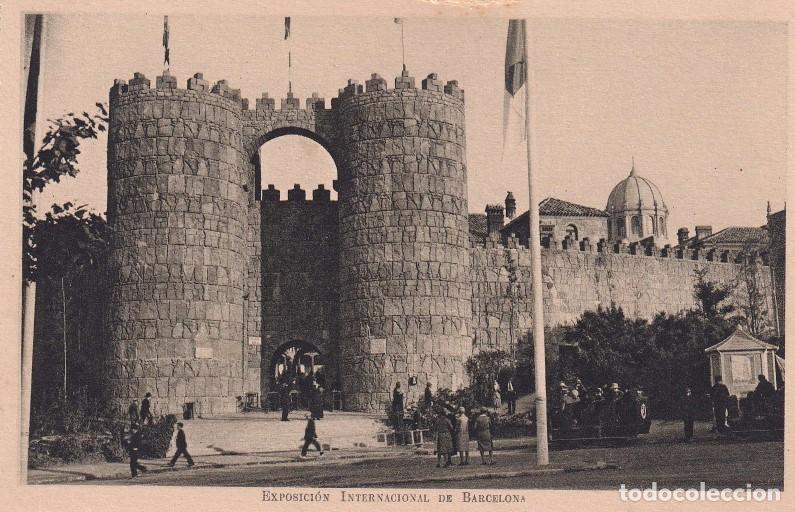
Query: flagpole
[(542, 448)]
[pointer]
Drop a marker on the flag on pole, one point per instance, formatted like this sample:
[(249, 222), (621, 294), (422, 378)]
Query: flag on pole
[(513, 126), (399, 21), (286, 28), (166, 57)]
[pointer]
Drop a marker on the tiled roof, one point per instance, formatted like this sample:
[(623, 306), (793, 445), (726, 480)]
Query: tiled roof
[(741, 340), (737, 235), (557, 207), (477, 227)]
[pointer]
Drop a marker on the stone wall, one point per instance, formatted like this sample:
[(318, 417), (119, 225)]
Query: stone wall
[(300, 248), (576, 281), (405, 295), (177, 208)]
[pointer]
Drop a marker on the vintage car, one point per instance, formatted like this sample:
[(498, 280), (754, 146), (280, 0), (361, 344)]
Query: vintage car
[(612, 415)]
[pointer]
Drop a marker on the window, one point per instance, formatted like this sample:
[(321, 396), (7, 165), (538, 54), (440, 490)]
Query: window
[(609, 229), (546, 233), (571, 232), (635, 225), (661, 226), (621, 228), (653, 221)]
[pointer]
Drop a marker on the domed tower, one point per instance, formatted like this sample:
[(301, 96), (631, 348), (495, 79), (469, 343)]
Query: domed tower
[(405, 290), (177, 208), (636, 210)]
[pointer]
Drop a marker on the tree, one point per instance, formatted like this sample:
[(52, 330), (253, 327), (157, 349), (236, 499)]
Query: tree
[(55, 159), (753, 306), (486, 367), (69, 248), (711, 297)]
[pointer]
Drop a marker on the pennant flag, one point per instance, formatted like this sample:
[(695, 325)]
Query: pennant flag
[(399, 21), (166, 57), (286, 28), (515, 81)]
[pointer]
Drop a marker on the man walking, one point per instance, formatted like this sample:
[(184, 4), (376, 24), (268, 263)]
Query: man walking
[(182, 447), (428, 396), (146, 410), (133, 447), (688, 413), (720, 398), (310, 437)]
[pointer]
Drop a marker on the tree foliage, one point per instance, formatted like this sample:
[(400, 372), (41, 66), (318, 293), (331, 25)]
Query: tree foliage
[(484, 368)]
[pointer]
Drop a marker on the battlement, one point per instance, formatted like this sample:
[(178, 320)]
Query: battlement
[(641, 249), (404, 82), (222, 88), (297, 195)]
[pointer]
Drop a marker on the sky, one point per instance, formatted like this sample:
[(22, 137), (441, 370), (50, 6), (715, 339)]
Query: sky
[(700, 105)]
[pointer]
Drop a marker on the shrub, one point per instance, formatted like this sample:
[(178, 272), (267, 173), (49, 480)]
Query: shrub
[(156, 438), (515, 425)]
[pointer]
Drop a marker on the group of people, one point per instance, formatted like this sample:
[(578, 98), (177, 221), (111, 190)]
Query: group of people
[(313, 397), (133, 440), (758, 403), (452, 435), (509, 395)]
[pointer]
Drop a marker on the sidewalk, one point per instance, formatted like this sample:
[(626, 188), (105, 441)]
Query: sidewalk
[(116, 470)]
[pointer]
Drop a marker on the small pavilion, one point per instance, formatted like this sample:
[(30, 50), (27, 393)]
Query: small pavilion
[(739, 359)]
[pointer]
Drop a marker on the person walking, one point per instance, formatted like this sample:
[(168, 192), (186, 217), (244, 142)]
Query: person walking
[(483, 433), (462, 434), (689, 408), (310, 437), (132, 412), (720, 399), (444, 439), (284, 401), (133, 448), (146, 410), (510, 397), (497, 396), (316, 402), (182, 447)]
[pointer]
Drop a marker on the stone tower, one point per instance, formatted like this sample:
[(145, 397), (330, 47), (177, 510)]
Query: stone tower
[(177, 205), (405, 292)]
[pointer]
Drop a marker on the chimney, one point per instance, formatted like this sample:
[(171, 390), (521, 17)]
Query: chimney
[(494, 219), (703, 232), (682, 234), (510, 205)]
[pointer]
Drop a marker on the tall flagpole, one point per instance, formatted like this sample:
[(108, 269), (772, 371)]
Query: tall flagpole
[(542, 448)]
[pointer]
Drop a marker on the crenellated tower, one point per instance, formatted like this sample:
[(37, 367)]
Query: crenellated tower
[(405, 294), (177, 208)]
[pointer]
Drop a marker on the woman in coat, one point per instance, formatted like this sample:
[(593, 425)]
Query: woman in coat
[(462, 435), (444, 439), (483, 433)]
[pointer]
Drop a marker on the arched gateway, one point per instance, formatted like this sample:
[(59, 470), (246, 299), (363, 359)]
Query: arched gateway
[(213, 275)]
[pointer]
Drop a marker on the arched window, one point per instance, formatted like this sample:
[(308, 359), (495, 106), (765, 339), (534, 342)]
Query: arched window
[(635, 225), (621, 228), (653, 221), (662, 226), (571, 232)]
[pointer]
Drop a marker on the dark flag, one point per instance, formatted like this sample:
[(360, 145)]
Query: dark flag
[(166, 58), (286, 28)]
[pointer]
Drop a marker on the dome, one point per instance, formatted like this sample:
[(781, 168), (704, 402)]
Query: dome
[(635, 193)]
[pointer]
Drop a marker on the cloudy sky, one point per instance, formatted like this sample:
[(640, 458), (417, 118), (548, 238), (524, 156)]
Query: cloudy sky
[(700, 105)]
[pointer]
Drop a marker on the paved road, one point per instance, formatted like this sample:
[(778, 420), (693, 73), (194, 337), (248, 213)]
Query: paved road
[(670, 464)]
